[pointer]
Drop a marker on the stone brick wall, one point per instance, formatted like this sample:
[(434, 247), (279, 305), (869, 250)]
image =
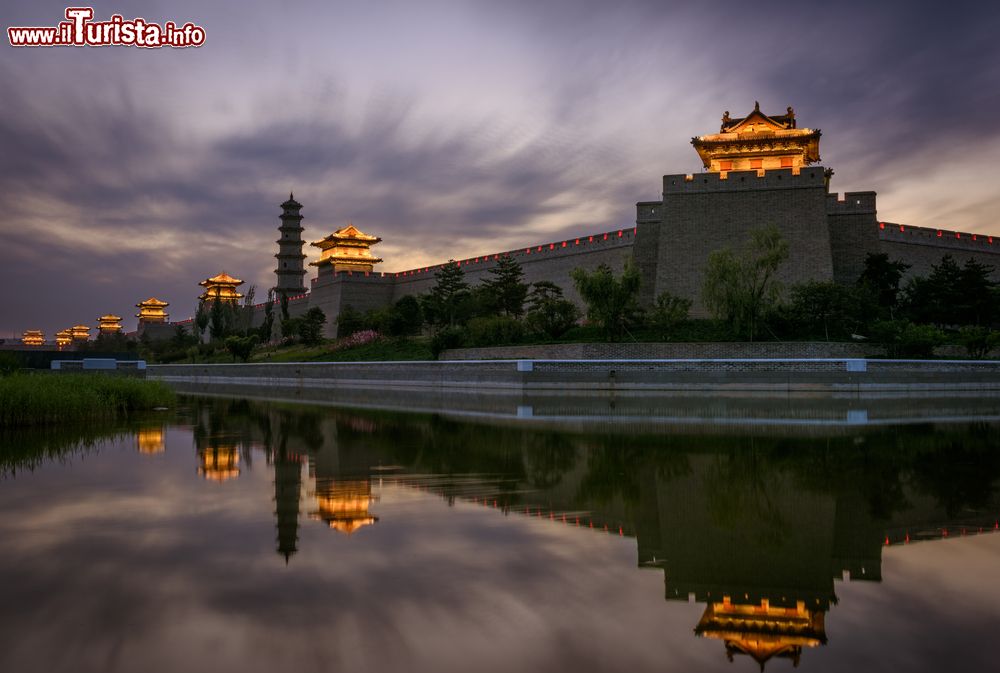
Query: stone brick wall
[(853, 225), (704, 212)]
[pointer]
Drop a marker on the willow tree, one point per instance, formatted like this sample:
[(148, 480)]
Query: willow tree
[(740, 286)]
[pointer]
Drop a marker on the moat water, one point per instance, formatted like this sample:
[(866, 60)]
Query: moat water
[(238, 535)]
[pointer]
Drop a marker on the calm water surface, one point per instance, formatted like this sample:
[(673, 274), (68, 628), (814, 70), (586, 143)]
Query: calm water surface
[(247, 536)]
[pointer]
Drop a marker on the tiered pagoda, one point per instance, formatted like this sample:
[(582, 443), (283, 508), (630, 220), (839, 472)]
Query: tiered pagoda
[(347, 249), (109, 324), (64, 338), (80, 333), (152, 311), (221, 287), (290, 257), (343, 503), (33, 337), (758, 142)]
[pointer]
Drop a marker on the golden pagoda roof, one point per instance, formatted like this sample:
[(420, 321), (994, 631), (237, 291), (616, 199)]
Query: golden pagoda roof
[(757, 135), (109, 318), (222, 279), (64, 332), (152, 301), (80, 328), (346, 236)]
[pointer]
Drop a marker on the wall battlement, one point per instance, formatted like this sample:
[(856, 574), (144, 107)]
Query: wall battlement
[(738, 181), (938, 238), (851, 203)]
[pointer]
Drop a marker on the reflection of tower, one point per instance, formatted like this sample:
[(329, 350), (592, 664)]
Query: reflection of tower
[(219, 463), (287, 490), (763, 631), (343, 489), (150, 440), (343, 504)]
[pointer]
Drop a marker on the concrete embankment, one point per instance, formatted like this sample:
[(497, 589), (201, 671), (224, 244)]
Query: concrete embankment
[(845, 375)]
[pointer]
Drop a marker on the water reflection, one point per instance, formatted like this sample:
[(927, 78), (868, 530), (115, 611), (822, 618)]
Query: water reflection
[(756, 529)]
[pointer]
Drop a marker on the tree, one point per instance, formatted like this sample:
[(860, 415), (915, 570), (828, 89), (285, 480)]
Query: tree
[(246, 311), (311, 327), (821, 308), (201, 320), (349, 321), (406, 317), (218, 326), (284, 307), (548, 312), (881, 279), (449, 290), (267, 327), (241, 347), (952, 295), (612, 303), (668, 312), (740, 286), (506, 289)]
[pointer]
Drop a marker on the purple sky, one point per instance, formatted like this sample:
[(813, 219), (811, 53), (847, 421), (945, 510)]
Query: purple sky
[(450, 129)]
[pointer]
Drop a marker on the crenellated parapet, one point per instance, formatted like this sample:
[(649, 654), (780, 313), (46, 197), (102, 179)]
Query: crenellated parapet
[(745, 181), (851, 203), (939, 238)]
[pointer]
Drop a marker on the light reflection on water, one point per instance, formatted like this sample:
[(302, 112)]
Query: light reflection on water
[(251, 536)]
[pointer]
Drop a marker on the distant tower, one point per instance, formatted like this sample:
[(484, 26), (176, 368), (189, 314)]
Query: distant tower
[(109, 324), (33, 337), (221, 287), (151, 311), (63, 338), (80, 333), (347, 249), (290, 271)]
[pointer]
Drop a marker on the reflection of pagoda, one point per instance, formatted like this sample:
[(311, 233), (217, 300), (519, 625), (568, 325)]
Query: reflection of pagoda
[(343, 504), (33, 337), (763, 631), (151, 311), (109, 324), (150, 440), (347, 249), (219, 463), (221, 287), (287, 492)]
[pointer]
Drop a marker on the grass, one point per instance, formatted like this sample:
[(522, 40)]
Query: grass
[(36, 399), (381, 350)]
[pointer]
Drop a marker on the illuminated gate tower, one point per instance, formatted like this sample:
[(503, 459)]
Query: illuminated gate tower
[(151, 311), (347, 249), (63, 338), (221, 287), (290, 271), (758, 142), (80, 333), (109, 324), (33, 337)]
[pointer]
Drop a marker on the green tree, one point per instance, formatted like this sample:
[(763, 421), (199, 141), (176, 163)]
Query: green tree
[(201, 320), (218, 320), (449, 291), (406, 317), (267, 326), (349, 321), (824, 308), (881, 279), (548, 312), (668, 312), (311, 327), (506, 290), (612, 303), (241, 347), (284, 307), (740, 287)]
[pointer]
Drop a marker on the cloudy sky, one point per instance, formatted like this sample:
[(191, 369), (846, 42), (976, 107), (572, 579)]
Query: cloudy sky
[(450, 129)]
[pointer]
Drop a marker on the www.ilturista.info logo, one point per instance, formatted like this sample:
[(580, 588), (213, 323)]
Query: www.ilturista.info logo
[(79, 31)]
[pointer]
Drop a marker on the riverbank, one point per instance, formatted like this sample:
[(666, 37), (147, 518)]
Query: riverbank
[(37, 399), (836, 375)]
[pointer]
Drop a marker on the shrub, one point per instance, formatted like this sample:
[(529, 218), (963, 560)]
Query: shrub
[(668, 312), (494, 331), (241, 347), (448, 337)]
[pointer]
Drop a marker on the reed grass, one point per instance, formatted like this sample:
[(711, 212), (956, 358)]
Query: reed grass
[(37, 399)]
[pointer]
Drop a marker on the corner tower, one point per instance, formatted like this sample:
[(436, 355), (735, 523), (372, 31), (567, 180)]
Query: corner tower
[(290, 270)]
